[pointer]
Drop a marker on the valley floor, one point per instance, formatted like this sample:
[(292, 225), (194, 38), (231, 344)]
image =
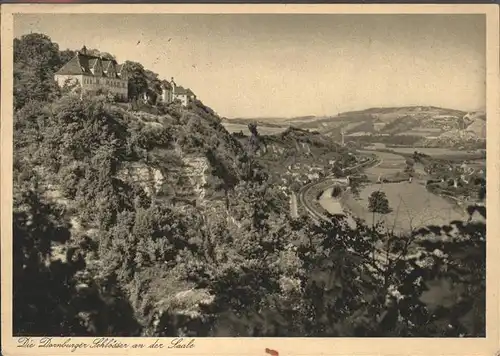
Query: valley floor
[(413, 206)]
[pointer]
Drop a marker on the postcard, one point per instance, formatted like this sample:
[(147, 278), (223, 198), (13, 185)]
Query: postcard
[(250, 179)]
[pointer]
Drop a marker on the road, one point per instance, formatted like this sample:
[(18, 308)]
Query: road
[(293, 206), (316, 216)]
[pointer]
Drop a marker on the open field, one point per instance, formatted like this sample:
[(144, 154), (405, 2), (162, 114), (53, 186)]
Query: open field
[(422, 131), (413, 206), (391, 164), (263, 130), (436, 152)]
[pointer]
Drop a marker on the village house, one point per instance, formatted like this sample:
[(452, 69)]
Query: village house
[(171, 92), (93, 73)]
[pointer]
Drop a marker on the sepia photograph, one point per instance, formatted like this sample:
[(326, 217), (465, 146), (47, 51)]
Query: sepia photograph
[(284, 175)]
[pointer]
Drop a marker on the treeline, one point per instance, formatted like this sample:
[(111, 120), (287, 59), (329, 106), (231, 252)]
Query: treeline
[(397, 140), (96, 254)]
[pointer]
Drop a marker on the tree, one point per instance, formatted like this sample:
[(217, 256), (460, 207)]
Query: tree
[(36, 59), (97, 53), (51, 294), (66, 55), (409, 170), (378, 203), (253, 142), (481, 192), (221, 170), (456, 280), (336, 191), (354, 184), (154, 83), (137, 81)]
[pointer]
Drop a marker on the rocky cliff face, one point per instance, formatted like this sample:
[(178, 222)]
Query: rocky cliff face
[(190, 176), (150, 179), (195, 171)]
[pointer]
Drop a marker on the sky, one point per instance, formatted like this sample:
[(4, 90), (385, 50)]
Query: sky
[(284, 65)]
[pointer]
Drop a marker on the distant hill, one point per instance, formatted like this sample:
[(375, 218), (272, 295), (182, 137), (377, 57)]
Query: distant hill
[(243, 121), (429, 122), (294, 145), (300, 141), (274, 119)]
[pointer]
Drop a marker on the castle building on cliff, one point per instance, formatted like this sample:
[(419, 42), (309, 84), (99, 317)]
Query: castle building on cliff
[(171, 92), (92, 73)]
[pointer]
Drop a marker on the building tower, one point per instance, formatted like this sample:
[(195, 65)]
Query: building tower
[(342, 134)]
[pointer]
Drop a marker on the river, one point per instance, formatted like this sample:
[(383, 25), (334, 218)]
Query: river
[(413, 206), (329, 203)]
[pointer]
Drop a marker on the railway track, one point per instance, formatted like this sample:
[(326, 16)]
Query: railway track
[(381, 255), (315, 215)]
